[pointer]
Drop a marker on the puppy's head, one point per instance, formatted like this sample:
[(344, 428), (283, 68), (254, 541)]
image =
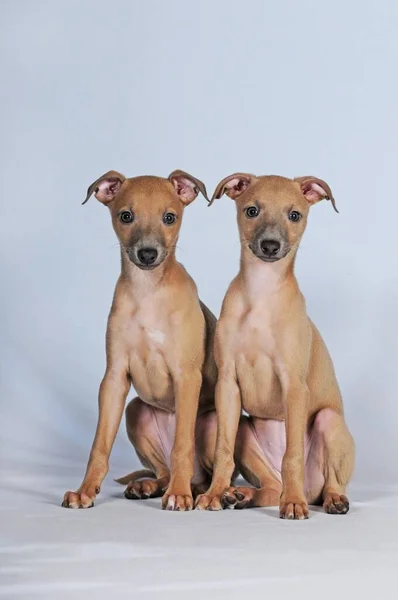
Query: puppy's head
[(272, 211), (146, 212)]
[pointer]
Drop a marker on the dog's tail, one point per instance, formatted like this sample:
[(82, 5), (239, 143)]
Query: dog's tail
[(135, 475)]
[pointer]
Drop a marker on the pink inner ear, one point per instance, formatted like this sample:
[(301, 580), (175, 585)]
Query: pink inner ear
[(236, 186), (313, 191), (185, 188), (107, 189)]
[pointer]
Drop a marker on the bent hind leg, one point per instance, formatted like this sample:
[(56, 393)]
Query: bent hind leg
[(255, 467), (144, 424), (331, 456)]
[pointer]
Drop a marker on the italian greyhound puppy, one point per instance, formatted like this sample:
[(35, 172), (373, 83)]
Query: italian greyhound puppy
[(294, 447), (160, 340)]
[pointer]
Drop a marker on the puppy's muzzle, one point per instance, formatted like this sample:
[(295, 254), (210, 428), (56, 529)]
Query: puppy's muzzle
[(146, 254), (269, 249)]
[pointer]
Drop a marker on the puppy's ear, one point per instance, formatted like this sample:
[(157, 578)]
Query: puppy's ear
[(106, 187), (187, 186), (233, 185), (315, 189)]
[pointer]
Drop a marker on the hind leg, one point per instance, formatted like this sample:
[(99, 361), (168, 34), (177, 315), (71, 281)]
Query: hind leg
[(152, 432), (149, 430), (255, 466), (330, 462)]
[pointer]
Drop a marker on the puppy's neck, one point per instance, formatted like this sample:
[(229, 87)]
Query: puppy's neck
[(144, 283), (261, 279)]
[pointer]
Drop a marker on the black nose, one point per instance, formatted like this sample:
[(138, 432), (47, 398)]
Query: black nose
[(270, 248), (147, 256)]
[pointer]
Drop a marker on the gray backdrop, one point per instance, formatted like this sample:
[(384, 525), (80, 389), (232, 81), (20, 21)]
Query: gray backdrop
[(289, 88)]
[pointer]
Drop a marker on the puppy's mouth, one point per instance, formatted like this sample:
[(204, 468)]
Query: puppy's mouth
[(144, 267), (269, 259)]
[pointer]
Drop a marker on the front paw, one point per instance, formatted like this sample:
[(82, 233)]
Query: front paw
[(83, 498), (209, 501), (178, 500), (293, 509)]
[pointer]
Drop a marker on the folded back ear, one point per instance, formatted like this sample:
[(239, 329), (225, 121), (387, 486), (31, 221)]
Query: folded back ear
[(187, 186), (106, 187), (233, 185), (315, 189)]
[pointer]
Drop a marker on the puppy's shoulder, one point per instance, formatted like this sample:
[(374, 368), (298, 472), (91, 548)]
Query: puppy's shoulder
[(122, 299), (234, 301)]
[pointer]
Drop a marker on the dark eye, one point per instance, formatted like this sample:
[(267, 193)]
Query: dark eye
[(252, 212), (294, 216), (126, 216), (169, 218)]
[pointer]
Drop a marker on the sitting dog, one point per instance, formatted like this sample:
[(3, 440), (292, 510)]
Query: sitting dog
[(160, 340), (294, 446)]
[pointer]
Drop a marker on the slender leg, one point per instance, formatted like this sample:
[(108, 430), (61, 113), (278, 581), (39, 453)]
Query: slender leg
[(178, 495), (293, 503), (332, 454), (228, 404), (112, 397)]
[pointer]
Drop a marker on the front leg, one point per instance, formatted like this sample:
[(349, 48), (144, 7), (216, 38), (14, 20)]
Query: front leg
[(178, 495), (112, 396), (229, 407), (293, 504)]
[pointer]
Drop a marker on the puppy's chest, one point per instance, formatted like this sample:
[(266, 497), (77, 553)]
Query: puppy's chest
[(256, 336), (148, 338), (147, 331), (256, 354)]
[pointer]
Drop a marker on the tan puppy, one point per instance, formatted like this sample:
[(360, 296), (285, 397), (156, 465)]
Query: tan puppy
[(159, 339), (294, 447)]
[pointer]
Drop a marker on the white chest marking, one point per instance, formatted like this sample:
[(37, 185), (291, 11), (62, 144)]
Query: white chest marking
[(156, 335)]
